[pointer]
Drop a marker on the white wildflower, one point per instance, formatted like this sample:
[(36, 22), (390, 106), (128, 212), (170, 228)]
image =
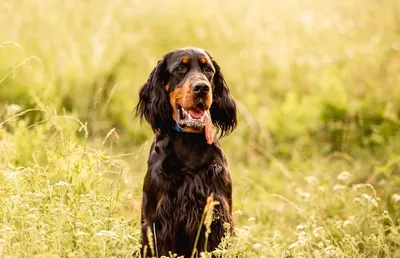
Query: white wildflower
[(330, 250), (13, 108), (317, 254), (280, 208), (251, 219), (107, 233), (396, 197), (371, 199), (218, 251), (295, 244), (344, 176), (338, 187), (11, 175), (80, 233), (312, 180), (277, 234), (304, 195), (238, 212), (347, 223), (300, 227), (303, 237), (39, 195), (62, 183), (373, 237), (257, 246), (319, 232)]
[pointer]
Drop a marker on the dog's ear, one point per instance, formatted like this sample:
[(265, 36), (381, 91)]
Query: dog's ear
[(153, 102), (223, 108)]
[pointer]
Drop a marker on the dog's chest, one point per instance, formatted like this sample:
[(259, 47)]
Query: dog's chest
[(188, 194), (190, 172), (190, 199)]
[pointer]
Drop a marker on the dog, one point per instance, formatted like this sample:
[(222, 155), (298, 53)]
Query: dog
[(184, 98)]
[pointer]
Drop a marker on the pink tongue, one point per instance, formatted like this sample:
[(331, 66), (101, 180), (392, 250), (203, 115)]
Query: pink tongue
[(196, 113), (208, 128)]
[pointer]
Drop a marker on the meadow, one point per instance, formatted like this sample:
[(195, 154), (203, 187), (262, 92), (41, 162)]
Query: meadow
[(315, 159)]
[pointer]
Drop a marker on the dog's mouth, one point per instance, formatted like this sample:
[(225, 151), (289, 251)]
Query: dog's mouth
[(196, 119), (193, 118)]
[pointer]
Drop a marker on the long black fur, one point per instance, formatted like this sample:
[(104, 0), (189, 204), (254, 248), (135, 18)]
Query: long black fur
[(223, 109), (153, 102)]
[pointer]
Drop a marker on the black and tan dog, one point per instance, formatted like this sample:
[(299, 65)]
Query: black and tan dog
[(183, 98)]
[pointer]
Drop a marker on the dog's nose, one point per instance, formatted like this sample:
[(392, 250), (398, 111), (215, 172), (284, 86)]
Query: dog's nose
[(201, 88)]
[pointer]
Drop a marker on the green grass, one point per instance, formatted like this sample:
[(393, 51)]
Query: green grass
[(315, 159)]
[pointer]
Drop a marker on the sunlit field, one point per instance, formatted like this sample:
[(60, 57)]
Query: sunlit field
[(315, 159)]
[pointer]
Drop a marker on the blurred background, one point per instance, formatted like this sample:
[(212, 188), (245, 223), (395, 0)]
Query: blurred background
[(315, 159)]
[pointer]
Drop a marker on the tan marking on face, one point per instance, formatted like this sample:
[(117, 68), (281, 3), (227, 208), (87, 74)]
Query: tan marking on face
[(185, 60), (185, 97), (175, 98), (167, 87), (207, 100), (203, 60)]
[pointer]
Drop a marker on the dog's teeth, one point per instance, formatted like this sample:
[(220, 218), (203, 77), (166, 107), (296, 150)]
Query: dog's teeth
[(185, 113)]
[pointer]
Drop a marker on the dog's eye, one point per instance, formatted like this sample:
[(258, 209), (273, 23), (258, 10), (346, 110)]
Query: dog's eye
[(207, 69), (181, 69)]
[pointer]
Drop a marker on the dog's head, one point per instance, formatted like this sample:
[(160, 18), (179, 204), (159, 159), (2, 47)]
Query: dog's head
[(187, 88)]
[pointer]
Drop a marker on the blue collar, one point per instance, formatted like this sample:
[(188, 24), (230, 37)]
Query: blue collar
[(178, 129)]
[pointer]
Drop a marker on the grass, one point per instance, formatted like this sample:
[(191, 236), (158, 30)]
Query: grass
[(315, 159)]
